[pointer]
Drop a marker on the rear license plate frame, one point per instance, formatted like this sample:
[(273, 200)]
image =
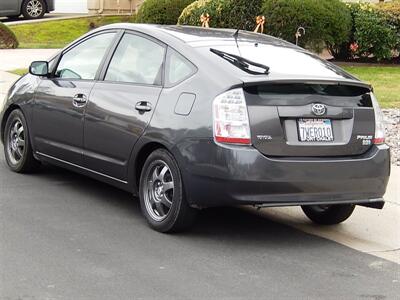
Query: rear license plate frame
[(320, 130)]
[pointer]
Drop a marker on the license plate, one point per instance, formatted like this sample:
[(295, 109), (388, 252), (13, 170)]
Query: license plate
[(315, 130)]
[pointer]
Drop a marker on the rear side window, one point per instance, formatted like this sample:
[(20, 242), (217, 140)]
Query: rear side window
[(83, 61), (178, 68), (137, 60)]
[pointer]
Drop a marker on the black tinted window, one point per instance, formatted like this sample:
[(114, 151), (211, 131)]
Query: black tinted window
[(137, 60), (83, 61), (178, 68)]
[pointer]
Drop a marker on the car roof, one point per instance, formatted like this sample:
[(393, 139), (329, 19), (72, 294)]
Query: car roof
[(200, 36), (197, 35)]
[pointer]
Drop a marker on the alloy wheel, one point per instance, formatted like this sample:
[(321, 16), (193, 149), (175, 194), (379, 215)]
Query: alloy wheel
[(159, 191), (34, 8), (16, 142)]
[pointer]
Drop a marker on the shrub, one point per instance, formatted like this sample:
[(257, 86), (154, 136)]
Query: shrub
[(239, 14), (191, 14), (161, 11), (373, 33), (391, 12), (8, 40), (327, 22)]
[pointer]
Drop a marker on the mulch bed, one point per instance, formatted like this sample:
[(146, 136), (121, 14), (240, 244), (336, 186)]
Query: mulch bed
[(368, 62)]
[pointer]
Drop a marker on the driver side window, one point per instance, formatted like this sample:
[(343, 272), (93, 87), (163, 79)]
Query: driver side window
[(83, 61)]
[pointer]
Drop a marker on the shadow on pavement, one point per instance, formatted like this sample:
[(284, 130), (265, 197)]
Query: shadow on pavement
[(228, 224)]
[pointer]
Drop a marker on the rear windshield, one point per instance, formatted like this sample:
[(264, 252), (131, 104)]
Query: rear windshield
[(281, 60)]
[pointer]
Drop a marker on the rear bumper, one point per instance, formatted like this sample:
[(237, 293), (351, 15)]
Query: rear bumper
[(216, 175)]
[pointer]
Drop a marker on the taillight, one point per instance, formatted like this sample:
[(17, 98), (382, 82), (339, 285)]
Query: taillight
[(379, 122), (230, 118)]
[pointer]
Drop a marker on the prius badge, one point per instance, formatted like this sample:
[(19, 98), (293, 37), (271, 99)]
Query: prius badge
[(318, 109)]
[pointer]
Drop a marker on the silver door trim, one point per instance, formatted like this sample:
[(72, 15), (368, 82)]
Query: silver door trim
[(80, 167)]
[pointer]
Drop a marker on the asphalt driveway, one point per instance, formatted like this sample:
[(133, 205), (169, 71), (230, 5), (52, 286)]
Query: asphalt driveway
[(64, 236)]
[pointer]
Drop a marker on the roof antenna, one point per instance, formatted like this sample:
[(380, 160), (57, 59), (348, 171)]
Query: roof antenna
[(235, 36)]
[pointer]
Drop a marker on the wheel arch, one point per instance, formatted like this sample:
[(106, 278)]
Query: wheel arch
[(6, 114), (139, 158)]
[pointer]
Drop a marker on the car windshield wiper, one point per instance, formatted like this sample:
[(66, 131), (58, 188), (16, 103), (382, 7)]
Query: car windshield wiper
[(242, 63)]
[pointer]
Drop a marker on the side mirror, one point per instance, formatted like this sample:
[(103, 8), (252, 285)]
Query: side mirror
[(39, 68)]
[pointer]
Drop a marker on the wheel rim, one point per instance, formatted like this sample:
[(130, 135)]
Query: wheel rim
[(159, 191), (34, 8), (16, 142)]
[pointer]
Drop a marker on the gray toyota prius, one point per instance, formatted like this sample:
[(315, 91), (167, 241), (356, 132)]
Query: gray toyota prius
[(187, 118)]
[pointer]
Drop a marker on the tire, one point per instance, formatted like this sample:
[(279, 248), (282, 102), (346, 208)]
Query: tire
[(13, 18), (328, 214), (162, 198), (17, 146), (33, 9)]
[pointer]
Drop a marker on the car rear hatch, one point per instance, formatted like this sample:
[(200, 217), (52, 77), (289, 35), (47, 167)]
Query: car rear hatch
[(310, 118)]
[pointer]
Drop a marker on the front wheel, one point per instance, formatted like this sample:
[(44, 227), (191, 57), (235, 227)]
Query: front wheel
[(328, 214), (162, 198), (33, 9), (17, 146)]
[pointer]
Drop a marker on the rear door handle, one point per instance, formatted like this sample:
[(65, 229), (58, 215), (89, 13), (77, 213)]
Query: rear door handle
[(79, 100), (143, 106)]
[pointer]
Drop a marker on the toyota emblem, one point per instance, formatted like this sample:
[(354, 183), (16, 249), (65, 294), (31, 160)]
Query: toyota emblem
[(318, 109)]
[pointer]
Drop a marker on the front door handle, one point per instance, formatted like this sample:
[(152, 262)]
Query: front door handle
[(143, 106), (79, 100)]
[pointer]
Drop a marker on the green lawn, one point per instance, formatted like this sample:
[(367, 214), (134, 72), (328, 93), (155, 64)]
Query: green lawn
[(57, 34), (20, 72), (385, 80)]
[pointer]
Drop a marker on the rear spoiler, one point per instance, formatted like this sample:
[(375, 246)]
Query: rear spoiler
[(254, 81)]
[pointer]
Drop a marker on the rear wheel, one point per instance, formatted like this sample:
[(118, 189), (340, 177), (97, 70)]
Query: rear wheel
[(17, 146), (328, 214), (162, 198), (33, 9)]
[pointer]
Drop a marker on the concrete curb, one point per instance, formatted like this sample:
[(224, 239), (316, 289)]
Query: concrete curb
[(73, 16), (371, 231), (22, 22)]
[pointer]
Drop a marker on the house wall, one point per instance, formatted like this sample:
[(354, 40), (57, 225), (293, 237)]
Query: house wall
[(113, 6), (71, 6)]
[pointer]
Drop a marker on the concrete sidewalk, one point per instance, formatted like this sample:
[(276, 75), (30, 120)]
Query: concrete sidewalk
[(11, 59), (6, 80)]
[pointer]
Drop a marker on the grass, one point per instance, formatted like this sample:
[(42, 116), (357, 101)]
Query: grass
[(19, 72), (57, 34), (385, 80)]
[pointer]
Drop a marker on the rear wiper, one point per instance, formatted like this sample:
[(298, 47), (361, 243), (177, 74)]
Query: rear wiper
[(241, 62)]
